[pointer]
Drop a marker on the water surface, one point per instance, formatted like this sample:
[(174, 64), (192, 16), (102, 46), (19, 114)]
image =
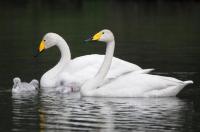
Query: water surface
[(72, 112)]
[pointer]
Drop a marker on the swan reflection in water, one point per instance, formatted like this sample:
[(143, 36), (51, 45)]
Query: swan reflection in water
[(72, 112)]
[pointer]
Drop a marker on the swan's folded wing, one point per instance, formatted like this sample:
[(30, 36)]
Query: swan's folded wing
[(88, 65), (120, 67)]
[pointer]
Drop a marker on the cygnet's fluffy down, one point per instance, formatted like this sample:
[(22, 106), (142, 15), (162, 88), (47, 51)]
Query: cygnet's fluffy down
[(21, 87)]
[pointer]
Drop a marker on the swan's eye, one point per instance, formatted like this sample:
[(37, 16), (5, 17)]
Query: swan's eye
[(44, 40), (102, 32)]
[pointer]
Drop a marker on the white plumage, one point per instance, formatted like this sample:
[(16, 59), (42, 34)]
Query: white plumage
[(139, 85)]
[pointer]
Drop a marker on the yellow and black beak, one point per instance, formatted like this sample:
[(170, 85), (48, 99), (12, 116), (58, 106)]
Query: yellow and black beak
[(95, 37), (41, 48)]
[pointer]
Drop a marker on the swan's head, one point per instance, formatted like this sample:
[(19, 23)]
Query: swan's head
[(104, 35), (49, 40), (16, 80)]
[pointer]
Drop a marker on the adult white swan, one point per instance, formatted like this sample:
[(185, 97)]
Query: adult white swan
[(131, 84), (73, 73)]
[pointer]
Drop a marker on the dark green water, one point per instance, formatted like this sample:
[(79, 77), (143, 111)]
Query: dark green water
[(164, 35)]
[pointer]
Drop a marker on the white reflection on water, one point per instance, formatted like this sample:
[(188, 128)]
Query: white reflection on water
[(72, 112)]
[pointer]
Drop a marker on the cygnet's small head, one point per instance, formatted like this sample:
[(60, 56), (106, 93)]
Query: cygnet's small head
[(35, 83), (49, 40), (104, 35), (16, 80)]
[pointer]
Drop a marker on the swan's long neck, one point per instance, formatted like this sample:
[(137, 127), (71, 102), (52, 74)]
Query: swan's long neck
[(110, 46), (48, 79), (92, 84), (65, 51)]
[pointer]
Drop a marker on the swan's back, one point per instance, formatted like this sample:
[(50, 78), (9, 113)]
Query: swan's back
[(88, 65)]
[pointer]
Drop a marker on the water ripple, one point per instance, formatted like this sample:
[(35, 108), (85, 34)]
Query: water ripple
[(76, 113)]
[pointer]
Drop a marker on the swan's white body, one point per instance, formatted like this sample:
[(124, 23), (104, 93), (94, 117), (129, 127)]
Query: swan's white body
[(131, 84), (139, 85), (73, 73), (23, 87)]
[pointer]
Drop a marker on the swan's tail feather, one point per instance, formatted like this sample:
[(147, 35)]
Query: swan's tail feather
[(143, 71), (188, 82)]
